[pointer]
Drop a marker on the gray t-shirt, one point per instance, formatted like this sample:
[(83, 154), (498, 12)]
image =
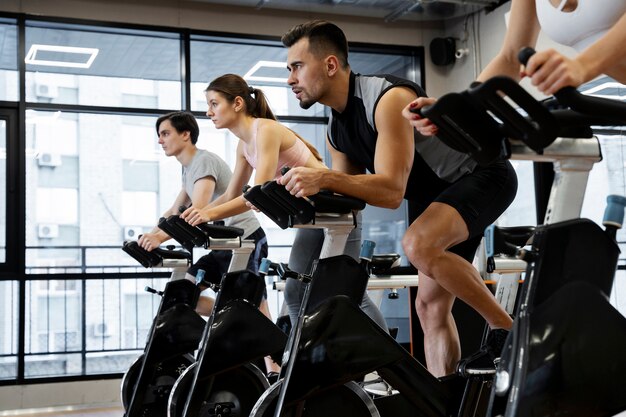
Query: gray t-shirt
[(207, 164)]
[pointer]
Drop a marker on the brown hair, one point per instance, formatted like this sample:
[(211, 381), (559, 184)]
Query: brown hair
[(324, 38), (182, 121), (256, 105)]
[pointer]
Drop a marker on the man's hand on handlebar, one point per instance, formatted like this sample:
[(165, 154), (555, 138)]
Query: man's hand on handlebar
[(195, 216), (550, 71), (302, 182), (411, 112), (149, 241)]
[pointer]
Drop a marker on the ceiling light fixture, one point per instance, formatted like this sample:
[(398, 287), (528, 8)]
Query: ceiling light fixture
[(270, 64), (80, 53)]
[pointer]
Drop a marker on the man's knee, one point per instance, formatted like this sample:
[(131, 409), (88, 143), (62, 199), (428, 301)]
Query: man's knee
[(420, 251), (432, 312)]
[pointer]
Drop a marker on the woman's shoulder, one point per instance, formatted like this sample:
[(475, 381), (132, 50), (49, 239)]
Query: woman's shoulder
[(268, 129)]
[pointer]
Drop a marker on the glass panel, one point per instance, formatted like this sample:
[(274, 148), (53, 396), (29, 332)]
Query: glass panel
[(53, 327), (78, 65), (404, 66), (609, 177), (82, 205), (262, 65), (9, 306), (3, 190), (521, 212), (118, 319), (9, 81)]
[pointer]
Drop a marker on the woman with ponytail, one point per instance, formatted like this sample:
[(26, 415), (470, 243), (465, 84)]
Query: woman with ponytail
[(265, 145)]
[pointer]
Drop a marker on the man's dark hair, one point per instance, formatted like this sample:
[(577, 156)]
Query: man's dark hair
[(181, 121), (324, 38)]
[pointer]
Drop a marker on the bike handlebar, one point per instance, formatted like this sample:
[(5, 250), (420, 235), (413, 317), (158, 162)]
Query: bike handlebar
[(608, 109)]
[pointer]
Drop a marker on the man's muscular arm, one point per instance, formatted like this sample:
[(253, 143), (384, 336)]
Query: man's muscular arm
[(393, 160)]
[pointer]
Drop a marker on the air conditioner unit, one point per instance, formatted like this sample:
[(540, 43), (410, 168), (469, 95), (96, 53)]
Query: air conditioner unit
[(47, 230), (101, 330), (132, 232), (43, 90), (47, 159)]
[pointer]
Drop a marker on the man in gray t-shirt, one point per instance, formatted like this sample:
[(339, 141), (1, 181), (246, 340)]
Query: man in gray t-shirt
[(205, 178)]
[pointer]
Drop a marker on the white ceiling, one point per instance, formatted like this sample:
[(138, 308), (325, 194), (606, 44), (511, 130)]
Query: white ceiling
[(388, 10)]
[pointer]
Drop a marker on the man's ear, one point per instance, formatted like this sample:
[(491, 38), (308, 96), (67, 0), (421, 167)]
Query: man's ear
[(332, 65)]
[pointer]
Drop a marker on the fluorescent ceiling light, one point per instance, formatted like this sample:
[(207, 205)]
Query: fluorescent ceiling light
[(270, 64), (84, 56)]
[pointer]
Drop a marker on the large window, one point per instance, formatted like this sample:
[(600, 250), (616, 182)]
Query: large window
[(83, 65), (94, 175), (92, 180), (8, 60)]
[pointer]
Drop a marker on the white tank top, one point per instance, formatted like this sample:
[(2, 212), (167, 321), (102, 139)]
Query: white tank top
[(581, 27)]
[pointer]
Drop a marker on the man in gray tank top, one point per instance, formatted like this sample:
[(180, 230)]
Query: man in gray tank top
[(378, 157)]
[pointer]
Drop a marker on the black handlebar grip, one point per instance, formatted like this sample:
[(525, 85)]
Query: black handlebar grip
[(245, 188), (181, 209), (416, 110), (524, 54), (284, 170), (568, 96)]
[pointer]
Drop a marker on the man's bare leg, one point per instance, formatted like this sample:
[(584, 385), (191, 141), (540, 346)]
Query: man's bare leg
[(442, 348), (426, 244)]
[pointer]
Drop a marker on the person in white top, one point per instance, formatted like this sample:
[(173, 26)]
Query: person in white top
[(595, 28)]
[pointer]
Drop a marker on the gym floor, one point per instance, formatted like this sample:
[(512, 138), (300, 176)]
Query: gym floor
[(83, 412)]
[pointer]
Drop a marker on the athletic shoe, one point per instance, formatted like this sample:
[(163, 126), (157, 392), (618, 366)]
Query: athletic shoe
[(485, 360)]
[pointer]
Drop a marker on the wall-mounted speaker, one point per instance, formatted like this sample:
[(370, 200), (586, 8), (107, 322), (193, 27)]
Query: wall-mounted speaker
[(442, 51)]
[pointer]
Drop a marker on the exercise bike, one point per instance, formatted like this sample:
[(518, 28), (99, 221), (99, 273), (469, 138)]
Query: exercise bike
[(557, 360), (335, 344), (223, 380), (173, 336)]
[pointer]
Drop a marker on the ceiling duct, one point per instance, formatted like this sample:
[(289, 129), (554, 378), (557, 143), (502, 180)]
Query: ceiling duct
[(388, 10)]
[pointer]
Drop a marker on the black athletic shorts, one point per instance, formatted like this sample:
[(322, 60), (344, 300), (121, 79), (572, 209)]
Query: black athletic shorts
[(215, 263), (480, 198)]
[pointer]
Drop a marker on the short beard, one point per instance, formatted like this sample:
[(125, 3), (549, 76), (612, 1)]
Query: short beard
[(306, 104)]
